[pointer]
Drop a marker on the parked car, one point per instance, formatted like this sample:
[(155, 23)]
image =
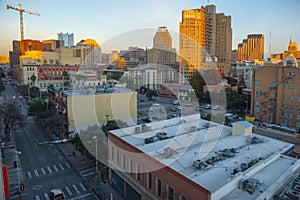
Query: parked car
[(179, 107), (173, 109), (216, 107), (155, 104), (207, 106), (175, 102)]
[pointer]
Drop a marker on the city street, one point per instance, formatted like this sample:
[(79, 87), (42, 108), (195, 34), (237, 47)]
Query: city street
[(44, 167)]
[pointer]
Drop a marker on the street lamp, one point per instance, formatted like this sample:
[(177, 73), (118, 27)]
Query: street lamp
[(246, 107), (18, 153), (95, 138)]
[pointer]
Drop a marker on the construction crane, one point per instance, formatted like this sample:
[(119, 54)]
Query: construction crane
[(21, 10)]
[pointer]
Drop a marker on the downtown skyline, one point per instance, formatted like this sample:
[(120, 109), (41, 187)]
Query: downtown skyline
[(113, 23)]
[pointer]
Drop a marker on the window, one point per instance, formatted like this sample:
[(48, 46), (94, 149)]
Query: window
[(131, 167), (291, 115), (281, 113), (257, 83), (298, 108), (292, 107), (257, 102), (287, 106), (291, 123), (298, 116), (282, 106), (298, 98), (274, 84), (124, 161), (182, 197), (282, 96), (286, 114), (118, 157), (149, 181), (170, 193), (257, 109), (292, 98), (256, 93), (112, 153), (138, 175), (158, 187), (293, 86), (298, 124)]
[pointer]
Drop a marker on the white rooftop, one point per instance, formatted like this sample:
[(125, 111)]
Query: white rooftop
[(190, 140)]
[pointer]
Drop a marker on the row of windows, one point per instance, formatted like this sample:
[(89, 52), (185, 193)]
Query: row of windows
[(158, 182), (289, 123), (291, 97), (291, 107), (288, 85)]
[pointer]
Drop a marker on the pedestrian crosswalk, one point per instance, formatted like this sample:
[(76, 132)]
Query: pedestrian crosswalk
[(73, 191), (87, 171), (47, 170)]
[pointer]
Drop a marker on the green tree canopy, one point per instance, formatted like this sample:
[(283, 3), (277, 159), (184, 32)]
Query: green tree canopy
[(36, 106)]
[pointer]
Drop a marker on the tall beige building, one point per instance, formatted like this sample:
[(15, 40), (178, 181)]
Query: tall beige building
[(204, 37), (162, 38), (252, 48)]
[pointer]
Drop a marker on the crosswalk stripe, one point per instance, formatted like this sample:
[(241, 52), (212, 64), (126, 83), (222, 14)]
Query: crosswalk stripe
[(60, 165), (46, 195), (37, 197), (29, 175), (67, 164), (84, 175), (85, 170), (76, 189), (68, 191), (55, 168), (36, 172), (81, 197), (49, 169), (82, 187), (43, 171)]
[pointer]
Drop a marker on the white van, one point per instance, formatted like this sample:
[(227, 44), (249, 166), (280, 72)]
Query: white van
[(57, 194)]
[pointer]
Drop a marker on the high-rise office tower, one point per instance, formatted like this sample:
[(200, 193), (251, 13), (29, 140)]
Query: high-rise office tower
[(162, 38), (252, 48), (204, 36), (67, 38), (162, 51)]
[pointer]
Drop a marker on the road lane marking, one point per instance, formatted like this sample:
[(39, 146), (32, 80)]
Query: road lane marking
[(82, 187), (62, 167), (37, 197), (49, 169), (76, 189), (67, 164), (46, 195), (88, 174), (29, 175), (85, 170), (55, 168), (36, 173), (43, 171), (68, 191), (82, 196)]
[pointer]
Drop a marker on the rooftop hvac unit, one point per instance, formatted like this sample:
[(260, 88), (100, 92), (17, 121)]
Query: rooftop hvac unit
[(168, 151), (197, 163), (244, 167), (162, 135), (235, 171), (206, 125), (149, 140), (193, 128), (249, 185), (137, 129)]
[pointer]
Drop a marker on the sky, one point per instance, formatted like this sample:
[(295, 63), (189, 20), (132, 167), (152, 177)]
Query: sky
[(118, 24)]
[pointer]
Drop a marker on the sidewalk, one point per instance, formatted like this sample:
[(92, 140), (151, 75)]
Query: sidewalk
[(102, 190)]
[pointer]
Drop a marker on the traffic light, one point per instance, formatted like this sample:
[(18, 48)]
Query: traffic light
[(22, 187)]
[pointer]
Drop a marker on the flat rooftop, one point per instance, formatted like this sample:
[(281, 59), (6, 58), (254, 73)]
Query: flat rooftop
[(190, 138)]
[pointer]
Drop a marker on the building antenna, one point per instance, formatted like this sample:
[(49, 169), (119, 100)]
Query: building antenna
[(270, 43)]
